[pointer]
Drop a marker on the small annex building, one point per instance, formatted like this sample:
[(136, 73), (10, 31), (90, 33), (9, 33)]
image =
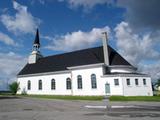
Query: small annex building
[(93, 71)]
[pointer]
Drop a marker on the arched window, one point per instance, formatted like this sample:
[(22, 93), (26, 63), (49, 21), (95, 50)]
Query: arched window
[(53, 84), (40, 84), (29, 85), (68, 83), (93, 81), (79, 81)]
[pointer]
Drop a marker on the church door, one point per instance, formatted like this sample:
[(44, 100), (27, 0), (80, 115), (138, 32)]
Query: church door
[(107, 89)]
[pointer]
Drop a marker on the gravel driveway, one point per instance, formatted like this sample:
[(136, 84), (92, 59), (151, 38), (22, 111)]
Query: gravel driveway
[(13, 108)]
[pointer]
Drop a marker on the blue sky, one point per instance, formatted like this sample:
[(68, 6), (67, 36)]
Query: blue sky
[(57, 18), (67, 25)]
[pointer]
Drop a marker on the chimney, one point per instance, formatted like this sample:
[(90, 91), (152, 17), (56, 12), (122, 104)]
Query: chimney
[(105, 48)]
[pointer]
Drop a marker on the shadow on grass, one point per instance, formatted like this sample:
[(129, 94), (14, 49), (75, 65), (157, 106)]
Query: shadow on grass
[(9, 97)]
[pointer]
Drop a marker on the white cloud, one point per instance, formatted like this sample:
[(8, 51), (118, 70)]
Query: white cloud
[(6, 39), (10, 65), (22, 22), (77, 40), (151, 69), (139, 50), (46, 37), (40, 1), (141, 14), (87, 4)]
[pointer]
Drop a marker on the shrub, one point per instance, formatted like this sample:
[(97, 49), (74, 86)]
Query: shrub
[(14, 87), (24, 92)]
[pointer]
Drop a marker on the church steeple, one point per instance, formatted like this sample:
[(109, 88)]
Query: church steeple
[(36, 44), (35, 55)]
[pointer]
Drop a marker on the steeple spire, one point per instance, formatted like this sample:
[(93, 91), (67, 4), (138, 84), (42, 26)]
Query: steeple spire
[(36, 44), (36, 41), (35, 55)]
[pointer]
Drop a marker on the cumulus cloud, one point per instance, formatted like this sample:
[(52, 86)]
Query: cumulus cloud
[(138, 39), (10, 65), (21, 22), (151, 69), (6, 39), (138, 49), (77, 40), (134, 46), (87, 4), (142, 13)]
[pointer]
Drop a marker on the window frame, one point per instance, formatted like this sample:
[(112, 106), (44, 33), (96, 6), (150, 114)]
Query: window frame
[(53, 84), (79, 82), (68, 84), (136, 82), (93, 81), (144, 82), (28, 85), (40, 85), (116, 82), (128, 80)]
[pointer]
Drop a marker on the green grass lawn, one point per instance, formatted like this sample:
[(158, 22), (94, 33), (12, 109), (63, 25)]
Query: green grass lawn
[(5, 93), (135, 98), (92, 98), (98, 98)]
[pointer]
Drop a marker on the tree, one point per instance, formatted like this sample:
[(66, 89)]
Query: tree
[(158, 82), (157, 85), (14, 87)]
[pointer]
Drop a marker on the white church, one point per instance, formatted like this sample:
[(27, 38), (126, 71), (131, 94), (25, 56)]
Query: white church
[(94, 71)]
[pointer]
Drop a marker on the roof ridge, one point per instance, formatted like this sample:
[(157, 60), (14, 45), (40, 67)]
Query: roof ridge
[(72, 52)]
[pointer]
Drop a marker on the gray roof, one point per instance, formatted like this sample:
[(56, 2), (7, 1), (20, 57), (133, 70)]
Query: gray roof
[(60, 62)]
